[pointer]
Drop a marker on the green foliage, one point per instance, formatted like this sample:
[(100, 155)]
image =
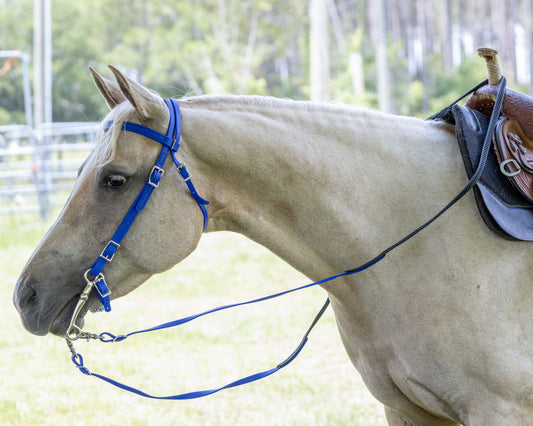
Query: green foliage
[(16, 28), (177, 48), (12, 97), (214, 46), (449, 87)]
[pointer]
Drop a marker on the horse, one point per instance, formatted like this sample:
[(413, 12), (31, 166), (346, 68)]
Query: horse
[(440, 330)]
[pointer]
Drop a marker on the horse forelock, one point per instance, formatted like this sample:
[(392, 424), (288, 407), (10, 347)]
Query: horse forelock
[(109, 131)]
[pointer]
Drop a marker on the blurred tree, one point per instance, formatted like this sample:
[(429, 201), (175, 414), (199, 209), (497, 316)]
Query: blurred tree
[(15, 34), (181, 47)]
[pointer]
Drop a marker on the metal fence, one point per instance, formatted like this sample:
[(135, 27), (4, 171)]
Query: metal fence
[(38, 166)]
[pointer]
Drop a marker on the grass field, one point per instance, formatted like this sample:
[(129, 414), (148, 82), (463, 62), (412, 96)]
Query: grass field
[(40, 386)]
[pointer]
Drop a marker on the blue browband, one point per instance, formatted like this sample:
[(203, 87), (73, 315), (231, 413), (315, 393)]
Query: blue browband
[(170, 144)]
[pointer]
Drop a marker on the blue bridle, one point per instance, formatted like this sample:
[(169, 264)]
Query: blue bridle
[(170, 145)]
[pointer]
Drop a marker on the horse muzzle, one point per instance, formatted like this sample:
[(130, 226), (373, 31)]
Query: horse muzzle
[(42, 314)]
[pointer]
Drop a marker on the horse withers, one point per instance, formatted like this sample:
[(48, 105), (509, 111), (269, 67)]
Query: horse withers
[(440, 330)]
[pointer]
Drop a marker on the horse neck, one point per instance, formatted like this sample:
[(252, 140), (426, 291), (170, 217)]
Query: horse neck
[(290, 175)]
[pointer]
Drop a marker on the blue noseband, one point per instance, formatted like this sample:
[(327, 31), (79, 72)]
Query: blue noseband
[(170, 145)]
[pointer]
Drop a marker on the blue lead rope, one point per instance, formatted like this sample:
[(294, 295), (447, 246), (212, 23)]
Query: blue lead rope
[(170, 145), (107, 337)]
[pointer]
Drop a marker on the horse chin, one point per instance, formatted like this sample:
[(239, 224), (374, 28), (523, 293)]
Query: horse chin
[(61, 323)]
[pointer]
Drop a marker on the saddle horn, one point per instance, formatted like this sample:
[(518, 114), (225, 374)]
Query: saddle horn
[(482, 100), (493, 67), (516, 106)]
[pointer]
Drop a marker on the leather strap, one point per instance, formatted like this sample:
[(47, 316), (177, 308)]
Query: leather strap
[(515, 155)]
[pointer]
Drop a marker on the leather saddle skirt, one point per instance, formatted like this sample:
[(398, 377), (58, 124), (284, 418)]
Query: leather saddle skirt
[(504, 209), (515, 155)]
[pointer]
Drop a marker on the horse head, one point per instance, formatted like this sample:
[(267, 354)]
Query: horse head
[(109, 181)]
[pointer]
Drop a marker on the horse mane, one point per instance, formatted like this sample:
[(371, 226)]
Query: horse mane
[(227, 102), (109, 130), (232, 101), (350, 113)]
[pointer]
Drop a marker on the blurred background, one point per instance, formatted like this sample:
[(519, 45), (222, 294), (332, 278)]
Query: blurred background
[(404, 57), (427, 48)]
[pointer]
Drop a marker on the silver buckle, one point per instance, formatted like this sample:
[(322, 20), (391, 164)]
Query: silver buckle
[(101, 278), (184, 167), (160, 170), (109, 259), (508, 172)]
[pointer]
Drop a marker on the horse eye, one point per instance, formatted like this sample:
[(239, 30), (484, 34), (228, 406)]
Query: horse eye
[(114, 181)]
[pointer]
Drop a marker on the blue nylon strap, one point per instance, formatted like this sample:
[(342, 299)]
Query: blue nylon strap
[(202, 202), (77, 359), (107, 337), (173, 108), (137, 206), (149, 133)]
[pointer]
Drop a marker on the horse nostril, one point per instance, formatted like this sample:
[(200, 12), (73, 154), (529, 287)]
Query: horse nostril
[(26, 297), (32, 298)]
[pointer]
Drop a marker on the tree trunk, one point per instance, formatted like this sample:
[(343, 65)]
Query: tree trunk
[(445, 23), (381, 57), (319, 50)]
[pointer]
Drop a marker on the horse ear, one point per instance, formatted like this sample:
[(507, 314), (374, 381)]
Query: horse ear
[(148, 104), (109, 89)]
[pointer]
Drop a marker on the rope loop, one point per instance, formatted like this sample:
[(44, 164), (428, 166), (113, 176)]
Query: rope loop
[(107, 337)]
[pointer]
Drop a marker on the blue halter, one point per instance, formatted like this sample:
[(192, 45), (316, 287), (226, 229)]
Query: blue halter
[(170, 144)]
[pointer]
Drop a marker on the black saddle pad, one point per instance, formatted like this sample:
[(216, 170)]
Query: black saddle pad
[(502, 208)]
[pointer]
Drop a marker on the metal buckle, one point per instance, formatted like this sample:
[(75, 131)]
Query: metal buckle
[(182, 168), (509, 173), (105, 286), (109, 259), (89, 281), (96, 281), (161, 171)]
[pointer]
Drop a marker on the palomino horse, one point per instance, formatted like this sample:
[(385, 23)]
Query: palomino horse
[(440, 330)]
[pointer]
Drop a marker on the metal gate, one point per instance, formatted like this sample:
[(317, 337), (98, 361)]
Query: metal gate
[(38, 167)]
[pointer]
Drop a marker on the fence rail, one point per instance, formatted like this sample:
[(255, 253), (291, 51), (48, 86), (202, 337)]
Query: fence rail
[(37, 165)]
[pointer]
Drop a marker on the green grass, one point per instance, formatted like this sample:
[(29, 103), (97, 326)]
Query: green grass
[(40, 386)]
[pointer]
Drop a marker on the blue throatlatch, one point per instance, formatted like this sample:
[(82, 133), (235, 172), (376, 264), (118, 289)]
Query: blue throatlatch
[(170, 144)]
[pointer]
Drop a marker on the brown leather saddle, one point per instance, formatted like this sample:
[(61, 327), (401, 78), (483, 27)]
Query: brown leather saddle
[(515, 155), (514, 133), (504, 193)]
